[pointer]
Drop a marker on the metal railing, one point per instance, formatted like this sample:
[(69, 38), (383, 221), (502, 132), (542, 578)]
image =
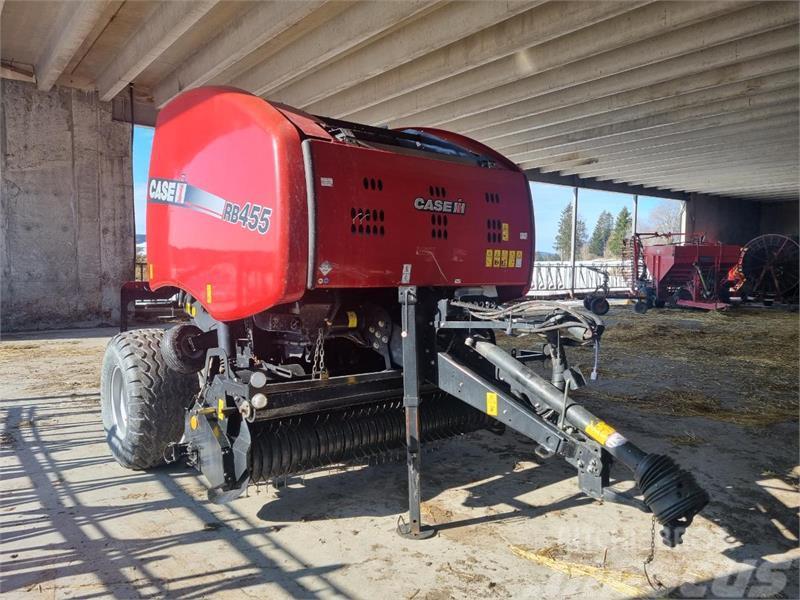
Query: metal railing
[(555, 277)]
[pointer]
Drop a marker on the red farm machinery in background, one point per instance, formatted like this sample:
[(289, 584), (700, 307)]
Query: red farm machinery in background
[(675, 270)]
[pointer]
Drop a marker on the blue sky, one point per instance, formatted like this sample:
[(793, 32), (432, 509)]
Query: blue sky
[(548, 200), (142, 146)]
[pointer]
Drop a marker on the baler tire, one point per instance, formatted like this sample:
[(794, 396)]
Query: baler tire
[(147, 413)]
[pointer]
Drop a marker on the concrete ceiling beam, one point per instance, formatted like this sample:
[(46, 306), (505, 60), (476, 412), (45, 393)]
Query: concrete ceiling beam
[(780, 108), (669, 152), (75, 21), (755, 193), (660, 111), (725, 186), (767, 160), (448, 24), (751, 149), (534, 26), (359, 24), (168, 22), (666, 121), (716, 178), (236, 40), (728, 63), (590, 54), (622, 152)]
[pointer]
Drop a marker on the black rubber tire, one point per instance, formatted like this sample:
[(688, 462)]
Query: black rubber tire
[(152, 397), (178, 355), (587, 302), (599, 306), (640, 307), (724, 292)]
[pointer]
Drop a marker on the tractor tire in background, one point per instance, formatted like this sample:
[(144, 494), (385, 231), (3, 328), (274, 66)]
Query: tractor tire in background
[(142, 401), (599, 306)]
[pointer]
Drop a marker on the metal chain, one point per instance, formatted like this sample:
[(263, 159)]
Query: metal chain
[(652, 556), (318, 370)]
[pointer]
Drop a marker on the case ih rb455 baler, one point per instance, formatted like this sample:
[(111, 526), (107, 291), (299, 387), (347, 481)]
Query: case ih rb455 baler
[(345, 285)]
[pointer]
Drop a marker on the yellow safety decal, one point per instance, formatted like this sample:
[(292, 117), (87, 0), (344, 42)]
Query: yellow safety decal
[(193, 310), (491, 404), (505, 232), (149, 270), (496, 258), (518, 261), (352, 319), (599, 431), (220, 409), (488, 257), (503, 259), (193, 422), (208, 293)]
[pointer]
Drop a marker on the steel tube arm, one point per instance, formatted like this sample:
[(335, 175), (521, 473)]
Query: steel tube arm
[(576, 415), (671, 493)]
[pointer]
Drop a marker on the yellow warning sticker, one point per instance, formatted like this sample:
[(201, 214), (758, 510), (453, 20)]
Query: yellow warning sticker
[(599, 431), (518, 260), (491, 404), (352, 319), (504, 259), (496, 259), (488, 257), (208, 293), (505, 232), (220, 408), (193, 422)]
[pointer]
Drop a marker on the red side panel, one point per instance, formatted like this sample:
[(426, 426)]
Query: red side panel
[(227, 214), (386, 219)]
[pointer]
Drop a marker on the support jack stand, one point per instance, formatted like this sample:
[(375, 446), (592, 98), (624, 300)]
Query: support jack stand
[(406, 530), (413, 529)]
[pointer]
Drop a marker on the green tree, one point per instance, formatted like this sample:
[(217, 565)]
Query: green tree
[(564, 235), (622, 230), (602, 231)]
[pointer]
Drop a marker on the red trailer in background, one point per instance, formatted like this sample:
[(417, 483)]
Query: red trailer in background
[(692, 273)]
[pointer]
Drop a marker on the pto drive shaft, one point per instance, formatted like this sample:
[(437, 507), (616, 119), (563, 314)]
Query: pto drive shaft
[(671, 493)]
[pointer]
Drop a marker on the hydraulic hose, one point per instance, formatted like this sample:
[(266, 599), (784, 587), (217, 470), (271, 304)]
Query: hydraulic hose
[(671, 493)]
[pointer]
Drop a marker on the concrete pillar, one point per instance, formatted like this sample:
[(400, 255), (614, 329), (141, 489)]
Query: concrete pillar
[(66, 216)]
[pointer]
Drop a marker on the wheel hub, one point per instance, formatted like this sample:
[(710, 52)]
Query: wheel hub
[(119, 403)]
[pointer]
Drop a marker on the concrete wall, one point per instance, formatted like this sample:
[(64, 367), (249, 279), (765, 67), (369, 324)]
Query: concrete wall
[(780, 217), (727, 220), (734, 221), (66, 215)]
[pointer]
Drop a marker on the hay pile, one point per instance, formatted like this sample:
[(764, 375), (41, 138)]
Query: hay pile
[(739, 366)]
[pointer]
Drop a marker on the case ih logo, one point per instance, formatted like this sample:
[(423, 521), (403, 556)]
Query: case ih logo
[(458, 207), (251, 216), (166, 190)]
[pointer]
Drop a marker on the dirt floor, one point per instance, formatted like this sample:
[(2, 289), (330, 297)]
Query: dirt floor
[(718, 392)]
